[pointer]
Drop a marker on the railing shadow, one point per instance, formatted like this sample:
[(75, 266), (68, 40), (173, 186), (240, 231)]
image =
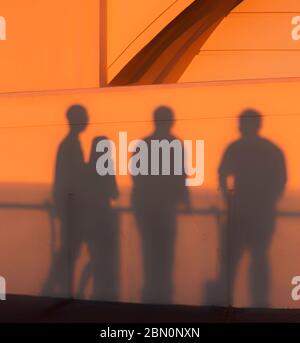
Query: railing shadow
[(219, 214)]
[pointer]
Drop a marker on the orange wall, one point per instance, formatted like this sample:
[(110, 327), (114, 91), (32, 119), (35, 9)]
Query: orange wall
[(55, 44), (51, 44), (33, 126), (134, 23), (267, 6), (253, 41), (26, 118)]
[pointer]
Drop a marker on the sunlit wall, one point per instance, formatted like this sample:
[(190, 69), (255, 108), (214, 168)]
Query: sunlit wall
[(253, 41), (33, 126), (250, 60)]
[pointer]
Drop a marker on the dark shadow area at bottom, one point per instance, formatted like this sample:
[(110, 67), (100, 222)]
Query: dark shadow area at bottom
[(28, 309)]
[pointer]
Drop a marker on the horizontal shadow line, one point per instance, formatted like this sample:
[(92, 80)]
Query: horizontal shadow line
[(213, 210)]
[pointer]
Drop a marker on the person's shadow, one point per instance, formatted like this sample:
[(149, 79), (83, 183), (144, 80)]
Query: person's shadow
[(101, 232), (155, 199), (68, 196), (258, 172)]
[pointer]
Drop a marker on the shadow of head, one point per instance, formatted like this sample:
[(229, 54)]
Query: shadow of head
[(250, 122), (163, 119), (77, 118)]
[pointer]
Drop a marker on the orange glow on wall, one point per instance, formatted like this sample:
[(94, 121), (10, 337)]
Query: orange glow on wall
[(59, 49), (128, 32), (33, 127), (49, 45), (254, 41)]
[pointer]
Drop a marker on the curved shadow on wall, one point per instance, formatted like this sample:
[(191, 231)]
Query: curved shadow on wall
[(167, 56)]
